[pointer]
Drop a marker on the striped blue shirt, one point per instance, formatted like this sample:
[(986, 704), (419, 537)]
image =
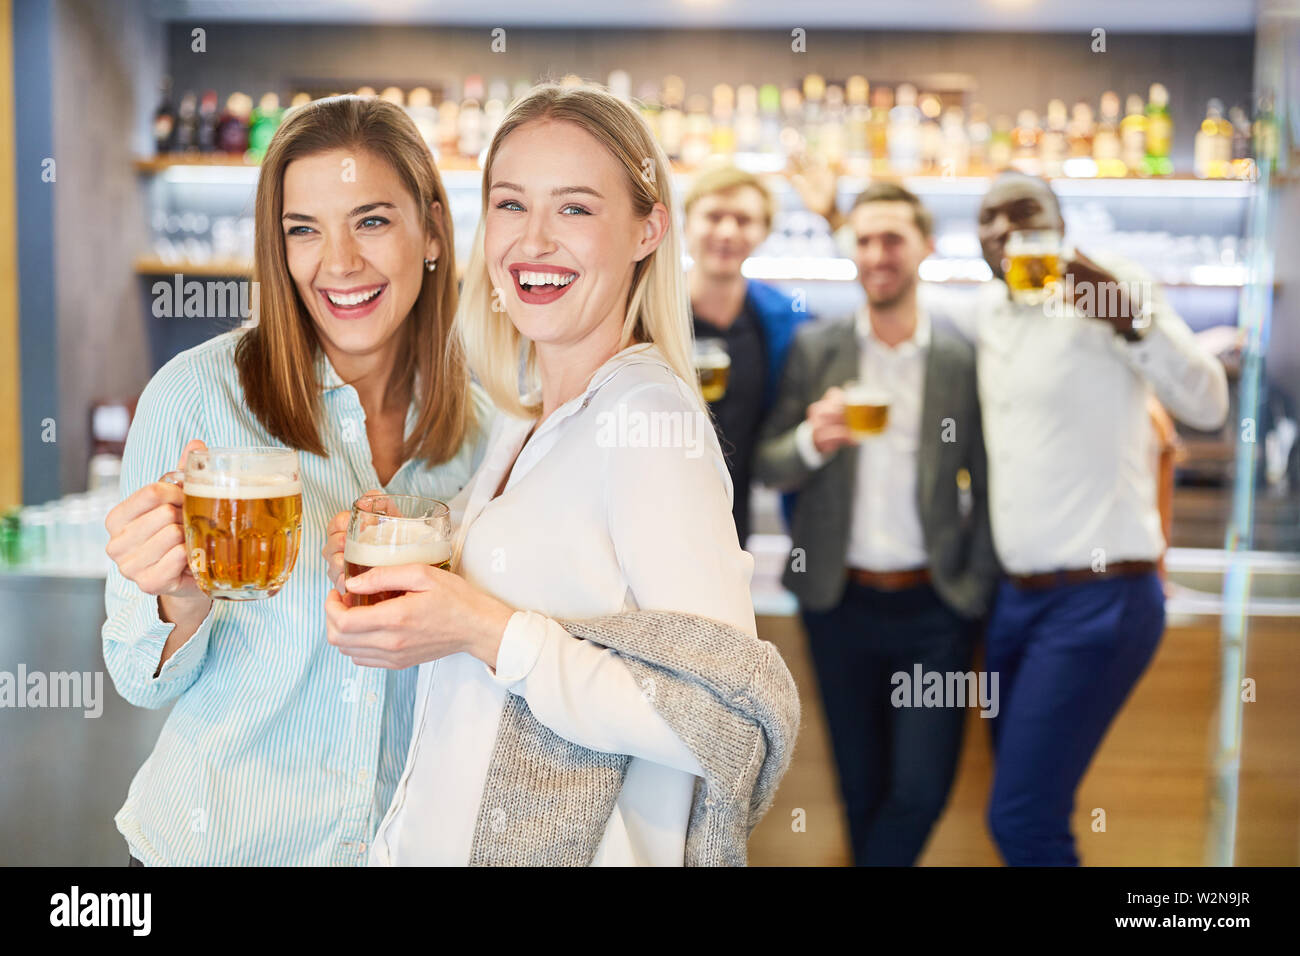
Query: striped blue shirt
[(279, 749)]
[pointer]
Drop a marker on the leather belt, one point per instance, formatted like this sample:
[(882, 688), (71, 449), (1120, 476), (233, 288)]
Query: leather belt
[(890, 580), (1051, 579)]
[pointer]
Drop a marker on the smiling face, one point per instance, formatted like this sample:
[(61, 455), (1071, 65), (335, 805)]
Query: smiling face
[(355, 246), (724, 228), (561, 237), (1013, 203), (890, 248)]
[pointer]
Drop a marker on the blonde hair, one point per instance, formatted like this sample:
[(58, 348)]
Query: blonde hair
[(276, 358), (725, 178), (657, 309)]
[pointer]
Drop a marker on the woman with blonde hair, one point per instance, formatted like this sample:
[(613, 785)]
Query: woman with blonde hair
[(277, 750), (592, 690)]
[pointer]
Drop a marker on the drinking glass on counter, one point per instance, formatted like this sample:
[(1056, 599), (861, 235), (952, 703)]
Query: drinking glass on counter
[(387, 530)]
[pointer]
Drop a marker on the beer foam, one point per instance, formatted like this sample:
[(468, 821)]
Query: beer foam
[(396, 542), (249, 487)]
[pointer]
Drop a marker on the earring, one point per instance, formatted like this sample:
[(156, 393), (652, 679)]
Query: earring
[(431, 264)]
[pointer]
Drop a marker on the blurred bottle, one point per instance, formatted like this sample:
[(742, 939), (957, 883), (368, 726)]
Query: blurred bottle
[(979, 133), (1160, 133), (1081, 131), (394, 95), (187, 124), (882, 102), (419, 106), (649, 107), (1025, 138), (723, 133), (448, 126), (1133, 134), (1000, 143), (1054, 146), (857, 145), (494, 110), (672, 122), (620, 84), (696, 131), (769, 107), (930, 141), (814, 89), (1106, 147), (265, 120), (164, 120), (1212, 146), (1243, 165), (833, 130), (469, 124), (749, 128), (955, 149), (905, 132), (232, 125), (792, 139), (1265, 134)]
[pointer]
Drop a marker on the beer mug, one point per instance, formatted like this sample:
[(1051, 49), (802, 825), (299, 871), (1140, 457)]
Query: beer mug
[(387, 530), (242, 518), (713, 366), (866, 409), (1033, 264)]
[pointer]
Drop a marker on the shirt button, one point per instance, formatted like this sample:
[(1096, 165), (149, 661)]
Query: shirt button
[(361, 848), (371, 697), (362, 774)]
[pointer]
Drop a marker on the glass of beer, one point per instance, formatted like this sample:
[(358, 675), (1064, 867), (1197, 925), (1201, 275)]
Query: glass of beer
[(866, 409), (1033, 264), (713, 365), (243, 520), (388, 530)]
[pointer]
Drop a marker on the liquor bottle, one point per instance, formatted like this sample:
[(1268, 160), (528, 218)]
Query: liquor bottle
[(1054, 147), (164, 120), (1243, 165), (955, 151), (882, 101), (1265, 135), (620, 84), (265, 120), (1080, 131), (930, 140), (696, 131), (671, 120), (814, 89), (232, 125), (749, 129), (1209, 158), (1133, 134), (832, 132), (469, 125), (769, 109), (792, 140), (187, 124), (1106, 149), (856, 144), (1000, 143), (394, 95), (1160, 133), (1024, 144), (905, 132), (448, 125), (723, 134), (494, 110), (979, 133), (419, 106), (207, 130)]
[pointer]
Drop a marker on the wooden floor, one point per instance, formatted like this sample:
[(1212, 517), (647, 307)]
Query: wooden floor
[(1153, 775)]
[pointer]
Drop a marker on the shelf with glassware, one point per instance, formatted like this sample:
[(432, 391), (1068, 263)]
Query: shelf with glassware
[(1150, 221)]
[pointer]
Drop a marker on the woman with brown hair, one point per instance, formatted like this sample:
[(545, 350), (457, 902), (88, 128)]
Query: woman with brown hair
[(278, 749)]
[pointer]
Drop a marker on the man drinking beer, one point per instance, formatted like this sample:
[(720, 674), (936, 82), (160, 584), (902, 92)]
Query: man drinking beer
[(878, 426)]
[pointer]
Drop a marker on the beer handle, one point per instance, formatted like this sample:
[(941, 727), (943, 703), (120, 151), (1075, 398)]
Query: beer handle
[(176, 478)]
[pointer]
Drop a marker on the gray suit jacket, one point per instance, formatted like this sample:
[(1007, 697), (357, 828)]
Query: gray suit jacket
[(959, 541)]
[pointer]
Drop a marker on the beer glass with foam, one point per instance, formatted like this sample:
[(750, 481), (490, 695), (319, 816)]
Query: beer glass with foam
[(713, 366), (242, 518), (387, 530), (866, 409), (1033, 264)]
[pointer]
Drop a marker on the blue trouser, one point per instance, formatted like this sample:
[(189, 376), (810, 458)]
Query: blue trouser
[(1066, 657), (896, 764)]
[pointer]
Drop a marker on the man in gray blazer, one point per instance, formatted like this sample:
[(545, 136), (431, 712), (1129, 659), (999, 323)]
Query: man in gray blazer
[(893, 560)]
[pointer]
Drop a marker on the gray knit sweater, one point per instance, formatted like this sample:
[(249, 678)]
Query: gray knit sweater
[(727, 695)]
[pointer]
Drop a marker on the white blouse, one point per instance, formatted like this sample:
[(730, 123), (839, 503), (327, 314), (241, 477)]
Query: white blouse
[(620, 501)]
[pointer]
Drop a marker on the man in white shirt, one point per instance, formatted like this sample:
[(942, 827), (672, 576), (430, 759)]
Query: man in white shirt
[(893, 558), (1064, 388)]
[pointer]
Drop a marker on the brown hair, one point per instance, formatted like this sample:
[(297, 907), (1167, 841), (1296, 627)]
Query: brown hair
[(276, 359), (892, 192), (723, 179)]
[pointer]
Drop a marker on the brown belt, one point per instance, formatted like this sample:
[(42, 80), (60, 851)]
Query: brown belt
[(890, 580), (1051, 579)]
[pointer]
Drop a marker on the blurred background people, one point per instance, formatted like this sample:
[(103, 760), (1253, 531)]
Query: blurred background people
[(893, 556), (728, 215)]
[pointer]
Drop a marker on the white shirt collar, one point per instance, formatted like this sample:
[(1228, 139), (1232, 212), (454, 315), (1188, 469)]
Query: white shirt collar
[(644, 352), (920, 339)]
